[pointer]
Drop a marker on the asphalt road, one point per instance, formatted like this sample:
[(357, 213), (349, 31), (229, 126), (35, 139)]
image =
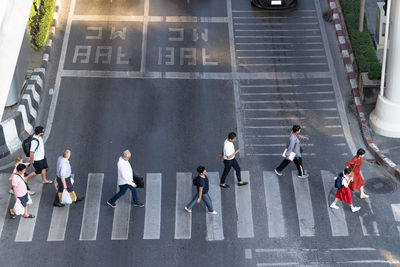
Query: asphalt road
[(168, 81)]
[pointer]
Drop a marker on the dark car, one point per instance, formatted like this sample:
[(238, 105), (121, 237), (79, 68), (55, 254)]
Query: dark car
[(274, 4)]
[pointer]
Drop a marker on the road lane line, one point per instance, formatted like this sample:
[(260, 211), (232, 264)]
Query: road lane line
[(194, 75), (290, 109), (5, 185), (60, 69), (276, 118), (280, 64), (284, 85), (248, 253), (183, 220), (336, 217), (304, 205), (122, 215), (152, 217), (281, 43), (245, 226), (215, 229), (58, 224), (276, 221), (280, 37), (144, 36), (278, 30), (26, 227), (272, 23), (282, 93), (279, 17), (396, 212), (91, 210), (278, 57)]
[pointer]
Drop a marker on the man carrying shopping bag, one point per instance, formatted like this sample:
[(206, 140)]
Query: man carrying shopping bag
[(64, 181)]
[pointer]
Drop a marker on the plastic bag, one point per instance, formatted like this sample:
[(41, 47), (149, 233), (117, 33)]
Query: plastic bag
[(29, 200), (18, 208), (66, 198)]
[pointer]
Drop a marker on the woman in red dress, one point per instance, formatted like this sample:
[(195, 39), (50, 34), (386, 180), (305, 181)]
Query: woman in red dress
[(355, 165), (343, 193)]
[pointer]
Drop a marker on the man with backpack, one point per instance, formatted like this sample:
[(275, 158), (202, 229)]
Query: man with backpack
[(36, 153), (201, 181), (343, 193)]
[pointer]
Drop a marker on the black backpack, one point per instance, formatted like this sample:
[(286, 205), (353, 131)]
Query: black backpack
[(195, 181), (26, 145), (338, 180)]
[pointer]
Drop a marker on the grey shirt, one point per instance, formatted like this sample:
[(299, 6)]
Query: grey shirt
[(294, 145)]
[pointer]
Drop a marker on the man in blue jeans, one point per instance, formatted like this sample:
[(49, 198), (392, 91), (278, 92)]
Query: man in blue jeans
[(125, 181), (202, 192)]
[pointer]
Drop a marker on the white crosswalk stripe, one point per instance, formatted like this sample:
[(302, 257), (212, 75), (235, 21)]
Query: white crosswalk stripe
[(91, 211), (58, 224), (152, 219), (276, 220), (27, 226), (183, 220), (336, 217), (245, 228), (304, 205), (215, 229), (122, 213)]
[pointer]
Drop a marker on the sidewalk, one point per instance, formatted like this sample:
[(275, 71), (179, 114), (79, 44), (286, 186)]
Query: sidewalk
[(386, 150)]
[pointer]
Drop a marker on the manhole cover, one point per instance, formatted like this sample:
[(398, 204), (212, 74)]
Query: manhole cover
[(380, 185)]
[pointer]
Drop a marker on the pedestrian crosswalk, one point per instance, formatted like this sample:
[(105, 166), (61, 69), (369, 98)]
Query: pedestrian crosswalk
[(274, 225)]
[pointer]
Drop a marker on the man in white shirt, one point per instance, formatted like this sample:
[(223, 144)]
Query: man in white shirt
[(229, 154), (125, 181), (37, 156)]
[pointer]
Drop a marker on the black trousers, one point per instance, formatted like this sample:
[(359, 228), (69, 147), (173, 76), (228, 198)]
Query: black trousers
[(297, 161), (228, 164)]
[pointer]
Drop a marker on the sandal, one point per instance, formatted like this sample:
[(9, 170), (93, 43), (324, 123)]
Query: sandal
[(12, 215), (48, 182), (31, 193), (30, 216)]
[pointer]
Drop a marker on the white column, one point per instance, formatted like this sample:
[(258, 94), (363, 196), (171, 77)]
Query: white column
[(13, 19), (384, 119)]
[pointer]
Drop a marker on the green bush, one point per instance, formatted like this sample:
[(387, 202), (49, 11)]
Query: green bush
[(361, 42), (41, 23)]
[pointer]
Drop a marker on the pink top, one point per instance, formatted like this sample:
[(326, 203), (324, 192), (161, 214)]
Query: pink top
[(20, 185)]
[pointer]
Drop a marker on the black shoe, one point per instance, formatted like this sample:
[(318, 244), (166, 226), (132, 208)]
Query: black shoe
[(79, 199), (138, 204), (111, 205), (224, 186), (58, 205), (244, 183)]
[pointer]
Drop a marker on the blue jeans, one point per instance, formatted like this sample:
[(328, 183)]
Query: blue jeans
[(122, 191), (205, 197)]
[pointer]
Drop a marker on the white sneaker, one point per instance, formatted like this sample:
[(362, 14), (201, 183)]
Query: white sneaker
[(278, 173), (354, 209), (188, 210), (304, 176), (212, 212), (334, 206)]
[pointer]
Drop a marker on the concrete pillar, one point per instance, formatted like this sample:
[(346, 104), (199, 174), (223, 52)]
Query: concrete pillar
[(385, 119), (13, 19)]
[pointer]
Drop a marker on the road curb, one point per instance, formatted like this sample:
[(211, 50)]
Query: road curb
[(345, 49), (21, 124)]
